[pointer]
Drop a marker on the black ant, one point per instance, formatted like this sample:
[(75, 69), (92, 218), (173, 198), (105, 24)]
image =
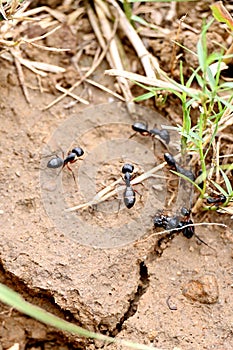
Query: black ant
[(72, 157), (216, 200), (173, 164), (188, 231), (129, 193), (178, 223), (142, 129)]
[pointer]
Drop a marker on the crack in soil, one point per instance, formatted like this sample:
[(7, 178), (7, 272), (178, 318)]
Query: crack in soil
[(43, 299), (143, 285)]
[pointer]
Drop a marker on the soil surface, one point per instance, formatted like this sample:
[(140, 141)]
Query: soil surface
[(104, 267)]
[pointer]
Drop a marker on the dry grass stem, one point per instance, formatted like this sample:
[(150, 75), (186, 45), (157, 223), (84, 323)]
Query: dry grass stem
[(172, 12), (225, 121), (28, 64), (21, 78), (109, 191), (73, 16), (101, 87), (113, 49), (46, 67), (59, 16), (149, 81), (12, 46), (41, 37), (80, 99), (96, 28), (46, 48), (89, 72), (151, 67)]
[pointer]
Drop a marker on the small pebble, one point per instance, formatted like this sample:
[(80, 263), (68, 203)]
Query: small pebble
[(1, 211), (204, 289), (163, 246)]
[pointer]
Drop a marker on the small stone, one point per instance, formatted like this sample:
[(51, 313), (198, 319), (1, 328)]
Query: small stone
[(163, 246), (1, 211), (17, 173), (204, 289)]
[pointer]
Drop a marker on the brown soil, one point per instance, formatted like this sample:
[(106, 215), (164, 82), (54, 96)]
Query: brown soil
[(94, 267)]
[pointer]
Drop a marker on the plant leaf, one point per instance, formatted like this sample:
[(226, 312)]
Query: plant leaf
[(221, 190), (221, 14), (16, 301), (227, 182)]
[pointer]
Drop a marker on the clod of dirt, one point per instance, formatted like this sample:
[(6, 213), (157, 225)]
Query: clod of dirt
[(205, 289)]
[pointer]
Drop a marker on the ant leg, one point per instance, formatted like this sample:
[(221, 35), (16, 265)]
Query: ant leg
[(201, 240), (156, 137), (153, 142), (60, 171), (140, 195), (119, 206), (72, 173), (131, 136)]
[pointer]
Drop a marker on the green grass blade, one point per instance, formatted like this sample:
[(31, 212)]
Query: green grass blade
[(187, 179), (211, 79), (227, 181), (221, 190), (15, 300), (144, 96)]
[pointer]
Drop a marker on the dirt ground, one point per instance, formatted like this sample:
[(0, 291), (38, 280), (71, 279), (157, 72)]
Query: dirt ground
[(103, 267)]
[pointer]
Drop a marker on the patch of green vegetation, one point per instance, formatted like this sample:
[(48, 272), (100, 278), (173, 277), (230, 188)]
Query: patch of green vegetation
[(214, 98)]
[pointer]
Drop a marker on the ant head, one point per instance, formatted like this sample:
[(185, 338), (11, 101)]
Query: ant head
[(127, 168), (222, 198), (169, 159), (140, 127), (78, 151), (158, 221), (185, 212)]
